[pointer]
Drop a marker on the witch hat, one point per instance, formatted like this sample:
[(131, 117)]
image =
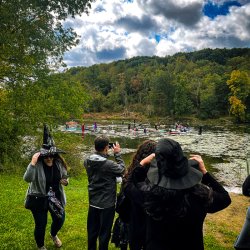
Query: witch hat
[(48, 147)]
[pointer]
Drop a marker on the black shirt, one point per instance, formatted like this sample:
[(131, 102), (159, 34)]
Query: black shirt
[(52, 175)]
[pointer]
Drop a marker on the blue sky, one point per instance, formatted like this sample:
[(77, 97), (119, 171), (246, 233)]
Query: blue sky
[(122, 29)]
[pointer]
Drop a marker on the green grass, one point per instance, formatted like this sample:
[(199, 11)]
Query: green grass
[(16, 222)]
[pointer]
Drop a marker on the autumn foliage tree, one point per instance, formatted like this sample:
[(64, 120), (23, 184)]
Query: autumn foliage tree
[(239, 85)]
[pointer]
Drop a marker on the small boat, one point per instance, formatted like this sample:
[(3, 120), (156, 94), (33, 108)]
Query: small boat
[(72, 126), (174, 132)]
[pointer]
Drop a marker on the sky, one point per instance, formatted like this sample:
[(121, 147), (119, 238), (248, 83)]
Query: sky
[(122, 29)]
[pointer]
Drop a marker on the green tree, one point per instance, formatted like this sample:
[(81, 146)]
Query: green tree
[(33, 40), (182, 104), (239, 85), (162, 92)]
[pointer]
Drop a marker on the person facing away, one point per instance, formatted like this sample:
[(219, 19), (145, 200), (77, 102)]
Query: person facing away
[(46, 170), (102, 174), (137, 216), (177, 197), (83, 129)]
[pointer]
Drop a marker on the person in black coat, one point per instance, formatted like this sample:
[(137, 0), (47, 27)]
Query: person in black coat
[(137, 216), (243, 239), (177, 197), (246, 186)]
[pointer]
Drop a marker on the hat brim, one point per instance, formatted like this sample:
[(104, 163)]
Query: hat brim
[(51, 151), (189, 180)]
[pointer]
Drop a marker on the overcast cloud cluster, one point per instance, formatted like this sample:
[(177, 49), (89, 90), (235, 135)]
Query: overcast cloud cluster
[(121, 29)]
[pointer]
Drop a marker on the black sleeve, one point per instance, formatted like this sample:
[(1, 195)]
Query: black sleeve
[(116, 167), (131, 189), (246, 186), (220, 198)]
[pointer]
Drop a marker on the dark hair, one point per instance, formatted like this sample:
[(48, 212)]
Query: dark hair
[(57, 158), (145, 149), (100, 143), (167, 204)]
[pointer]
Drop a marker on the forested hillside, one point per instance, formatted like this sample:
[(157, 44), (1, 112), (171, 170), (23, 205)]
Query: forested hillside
[(207, 83)]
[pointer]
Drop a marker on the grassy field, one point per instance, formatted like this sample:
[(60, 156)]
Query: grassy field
[(16, 223)]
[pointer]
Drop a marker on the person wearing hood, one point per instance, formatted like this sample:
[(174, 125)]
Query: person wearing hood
[(46, 172), (102, 174), (177, 196)]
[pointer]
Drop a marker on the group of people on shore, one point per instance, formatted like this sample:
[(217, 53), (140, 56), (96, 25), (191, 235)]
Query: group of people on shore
[(167, 195)]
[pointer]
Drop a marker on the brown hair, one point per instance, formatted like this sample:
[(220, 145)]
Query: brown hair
[(62, 160), (145, 149)]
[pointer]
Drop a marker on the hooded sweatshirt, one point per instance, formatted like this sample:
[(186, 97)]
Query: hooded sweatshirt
[(102, 175)]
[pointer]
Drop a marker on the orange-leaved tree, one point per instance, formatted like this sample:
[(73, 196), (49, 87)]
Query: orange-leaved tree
[(239, 85)]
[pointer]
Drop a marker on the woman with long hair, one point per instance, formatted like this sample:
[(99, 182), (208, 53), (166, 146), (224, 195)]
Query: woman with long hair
[(137, 226), (177, 197), (46, 175)]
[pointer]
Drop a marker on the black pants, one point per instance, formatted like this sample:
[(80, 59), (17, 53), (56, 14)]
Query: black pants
[(40, 218), (99, 226)]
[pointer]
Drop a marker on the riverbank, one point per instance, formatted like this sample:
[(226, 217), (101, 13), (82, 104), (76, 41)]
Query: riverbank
[(130, 116), (16, 223)]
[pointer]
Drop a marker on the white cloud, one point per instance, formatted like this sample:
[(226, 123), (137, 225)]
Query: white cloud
[(117, 30)]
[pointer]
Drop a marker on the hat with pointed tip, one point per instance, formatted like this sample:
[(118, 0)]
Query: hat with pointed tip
[(49, 147)]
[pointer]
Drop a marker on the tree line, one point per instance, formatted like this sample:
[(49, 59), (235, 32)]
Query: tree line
[(208, 84)]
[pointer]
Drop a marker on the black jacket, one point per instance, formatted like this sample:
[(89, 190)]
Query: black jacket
[(102, 175), (137, 215), (246, 186), (185, 232)]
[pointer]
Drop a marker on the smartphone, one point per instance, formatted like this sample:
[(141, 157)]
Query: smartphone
[(111, 144)]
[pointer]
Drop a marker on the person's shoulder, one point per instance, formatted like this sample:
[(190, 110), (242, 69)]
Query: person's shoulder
[(97, 157)]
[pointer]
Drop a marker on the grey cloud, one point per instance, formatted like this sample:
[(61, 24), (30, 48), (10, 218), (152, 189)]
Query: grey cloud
[(246, 22), (80, 57), (111, 54), (73, 22), (145, 48), (229, 42), (134, 24), (188, 15), (99, 8)]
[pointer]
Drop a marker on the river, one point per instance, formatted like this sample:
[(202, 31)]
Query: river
[(225, 150)]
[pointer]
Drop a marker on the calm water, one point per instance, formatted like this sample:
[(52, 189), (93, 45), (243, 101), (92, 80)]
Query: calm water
[(225, 151)]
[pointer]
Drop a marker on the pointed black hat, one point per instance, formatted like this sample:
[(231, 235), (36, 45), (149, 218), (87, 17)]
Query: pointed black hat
[(48, 147)]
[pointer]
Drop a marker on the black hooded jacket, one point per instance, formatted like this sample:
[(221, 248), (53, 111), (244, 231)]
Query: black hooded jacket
[(102, 175)]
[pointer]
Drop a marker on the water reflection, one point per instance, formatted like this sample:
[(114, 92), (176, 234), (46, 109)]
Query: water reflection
[(225, 150)]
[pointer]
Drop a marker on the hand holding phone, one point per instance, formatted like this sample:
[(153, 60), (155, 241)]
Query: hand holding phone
[(116, 147)]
